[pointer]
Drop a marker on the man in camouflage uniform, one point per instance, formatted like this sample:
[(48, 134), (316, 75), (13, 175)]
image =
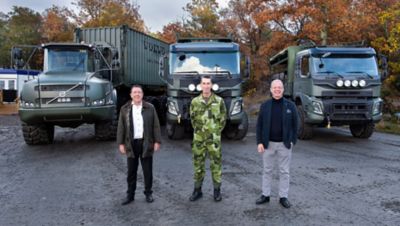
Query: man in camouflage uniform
[(208, 116)]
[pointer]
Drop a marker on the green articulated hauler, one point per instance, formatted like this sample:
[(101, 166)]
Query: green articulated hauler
[(88, 80), (181, 70), (332, 86)]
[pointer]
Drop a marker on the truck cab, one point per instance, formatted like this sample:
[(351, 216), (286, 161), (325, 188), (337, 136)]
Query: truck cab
[(182, 69), (332, 86), (75, 87)]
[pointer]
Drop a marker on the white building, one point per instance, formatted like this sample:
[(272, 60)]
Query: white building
[(11, 79)]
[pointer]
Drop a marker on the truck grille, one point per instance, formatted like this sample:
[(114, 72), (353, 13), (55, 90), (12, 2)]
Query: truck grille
[(349, 111), (349, 107), (60, 87), (59, 96)]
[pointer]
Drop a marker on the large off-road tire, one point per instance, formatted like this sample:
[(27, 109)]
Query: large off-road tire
[(362, 130), (305, 130), (38, 134), (107, 130), (175, 132), (238, 132)]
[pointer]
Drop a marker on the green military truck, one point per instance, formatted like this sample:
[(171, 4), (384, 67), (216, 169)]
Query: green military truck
[(331, 86), (188, 60), (87, 81)]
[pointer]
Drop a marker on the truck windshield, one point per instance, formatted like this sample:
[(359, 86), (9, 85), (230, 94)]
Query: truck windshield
[(70, 59), (205, 63), (345, 65)]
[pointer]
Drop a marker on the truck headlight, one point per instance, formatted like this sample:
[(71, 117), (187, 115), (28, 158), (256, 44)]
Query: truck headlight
[(215, 87), (192, 87), (27, 104), (377, 107), (198, 87), (317, 107), (99, 102), (237, 108), (172, 108)]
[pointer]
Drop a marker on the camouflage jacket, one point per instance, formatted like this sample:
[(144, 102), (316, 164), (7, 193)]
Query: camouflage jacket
[(208, 117)]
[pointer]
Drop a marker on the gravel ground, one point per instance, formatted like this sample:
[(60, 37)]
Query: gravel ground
[(335, 180)]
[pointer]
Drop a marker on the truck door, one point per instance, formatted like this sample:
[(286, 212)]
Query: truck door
[(302, 74)]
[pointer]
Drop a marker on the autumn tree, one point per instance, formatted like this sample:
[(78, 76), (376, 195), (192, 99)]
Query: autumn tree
[(56, 26), (324, 22), (172, 31), (239, 21), (100, 13), (389, 44)]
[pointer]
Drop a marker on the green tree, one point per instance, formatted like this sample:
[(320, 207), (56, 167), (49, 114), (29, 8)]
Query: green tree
[(203, 18), (100, 13), (3, 31), (22, 28)]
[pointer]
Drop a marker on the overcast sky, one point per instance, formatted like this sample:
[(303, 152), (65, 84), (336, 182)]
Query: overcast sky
[(155, 13)]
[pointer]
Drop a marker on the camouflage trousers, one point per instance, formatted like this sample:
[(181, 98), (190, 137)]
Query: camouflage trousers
[(202, 148)]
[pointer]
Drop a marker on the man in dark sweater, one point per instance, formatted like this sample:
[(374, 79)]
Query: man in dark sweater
[(276, 134)]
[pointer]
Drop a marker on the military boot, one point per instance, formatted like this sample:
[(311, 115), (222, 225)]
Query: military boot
[(196, 194), (217, 194)]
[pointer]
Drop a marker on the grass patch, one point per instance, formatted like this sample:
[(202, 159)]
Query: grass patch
[(388, 126)]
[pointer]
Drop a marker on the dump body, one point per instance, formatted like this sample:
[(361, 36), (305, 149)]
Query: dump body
[(87, 81)]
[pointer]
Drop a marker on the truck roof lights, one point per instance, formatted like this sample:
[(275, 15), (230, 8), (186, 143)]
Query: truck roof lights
[(339, 83), (198, 87), (347, 83), (192, 87), (362, 83), (354, 83), (215, 87)]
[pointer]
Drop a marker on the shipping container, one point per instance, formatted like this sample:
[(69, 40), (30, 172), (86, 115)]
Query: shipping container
[(139, 53)]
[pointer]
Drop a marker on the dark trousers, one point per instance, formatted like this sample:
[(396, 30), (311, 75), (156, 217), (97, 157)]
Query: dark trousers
[(147, 167)]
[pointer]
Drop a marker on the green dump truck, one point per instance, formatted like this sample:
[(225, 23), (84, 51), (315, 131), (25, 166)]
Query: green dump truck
[(188, 60), (87, 81), (332, 86)]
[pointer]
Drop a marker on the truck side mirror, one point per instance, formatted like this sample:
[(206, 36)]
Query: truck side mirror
[(161, 67), (17, 53), (17, 57), (115, 64), (248, 66), (383, 66)]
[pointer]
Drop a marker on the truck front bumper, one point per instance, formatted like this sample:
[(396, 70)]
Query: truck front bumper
[(71, 114), (344, 112)]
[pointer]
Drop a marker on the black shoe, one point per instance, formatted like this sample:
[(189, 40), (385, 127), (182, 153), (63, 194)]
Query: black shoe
[(284, 202), (128, 199), (149, 198), (196, 194), (263, 199), (217, 194)]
